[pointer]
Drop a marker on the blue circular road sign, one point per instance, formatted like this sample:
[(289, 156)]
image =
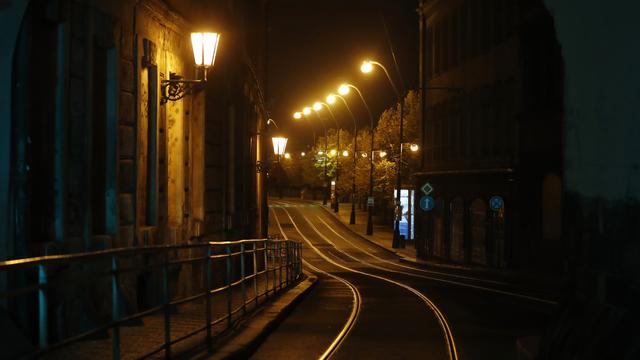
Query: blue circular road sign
[(427, 203), (496, 203)]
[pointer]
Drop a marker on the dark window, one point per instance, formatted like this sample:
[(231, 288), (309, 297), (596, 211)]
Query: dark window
[(446, 44), (474, 31), (35, 66), (152, 148), (437, 46), (98, 141), (464, 31)]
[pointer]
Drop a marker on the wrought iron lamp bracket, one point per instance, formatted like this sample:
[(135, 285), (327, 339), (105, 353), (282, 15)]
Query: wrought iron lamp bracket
[(176, 88), (263, 166)]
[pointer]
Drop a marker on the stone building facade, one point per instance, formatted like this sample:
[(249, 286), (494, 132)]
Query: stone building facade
[(492, 77), (93, 159)]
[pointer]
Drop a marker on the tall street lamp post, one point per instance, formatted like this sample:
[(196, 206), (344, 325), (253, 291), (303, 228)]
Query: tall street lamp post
[(318, 107), (331, 99), (307, 112), (367, 67), (344, 89)]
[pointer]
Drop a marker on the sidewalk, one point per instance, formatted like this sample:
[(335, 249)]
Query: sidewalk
[(238, 341)]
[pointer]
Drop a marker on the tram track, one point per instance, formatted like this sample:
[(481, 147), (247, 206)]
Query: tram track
[(440, 317), (442, 277), (355, 309)]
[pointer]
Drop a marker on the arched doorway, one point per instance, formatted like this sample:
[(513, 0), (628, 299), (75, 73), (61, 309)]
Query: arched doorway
[(551, 207), (456, 208), (439, 249), (478, 232)]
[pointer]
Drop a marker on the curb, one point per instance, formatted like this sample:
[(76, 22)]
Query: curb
[(258, 327)]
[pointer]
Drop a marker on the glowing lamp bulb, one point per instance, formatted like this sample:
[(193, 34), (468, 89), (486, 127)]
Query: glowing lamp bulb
[(366, 67)]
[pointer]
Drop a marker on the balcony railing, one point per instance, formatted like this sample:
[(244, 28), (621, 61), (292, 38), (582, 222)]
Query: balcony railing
[(179, 290)]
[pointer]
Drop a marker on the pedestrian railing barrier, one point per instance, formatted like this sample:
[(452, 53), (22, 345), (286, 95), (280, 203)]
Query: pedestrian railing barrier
[(60, 302)]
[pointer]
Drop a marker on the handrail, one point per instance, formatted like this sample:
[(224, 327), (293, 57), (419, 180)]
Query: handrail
[(119, 251), (275, 263)]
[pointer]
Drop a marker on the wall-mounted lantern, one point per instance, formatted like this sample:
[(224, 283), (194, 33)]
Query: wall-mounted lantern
[(205, 47), (279, 146)]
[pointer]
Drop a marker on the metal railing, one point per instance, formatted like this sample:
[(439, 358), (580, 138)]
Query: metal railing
[(220, 281)]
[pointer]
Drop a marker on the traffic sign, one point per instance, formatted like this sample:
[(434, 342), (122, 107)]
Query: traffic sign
[(496, 203), (427, 188), (370, 201), (427, 203)]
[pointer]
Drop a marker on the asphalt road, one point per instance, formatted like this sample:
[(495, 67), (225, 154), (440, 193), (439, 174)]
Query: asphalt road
[(368, 305)]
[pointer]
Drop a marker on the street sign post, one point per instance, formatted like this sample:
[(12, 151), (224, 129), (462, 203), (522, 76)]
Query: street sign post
[(496, 203), (370, 201), (427, 188), (427, 203)]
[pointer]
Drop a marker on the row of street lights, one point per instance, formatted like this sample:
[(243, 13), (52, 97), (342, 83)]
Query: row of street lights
[(343, 90)]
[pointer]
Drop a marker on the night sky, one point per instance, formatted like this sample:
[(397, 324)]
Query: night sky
[(315, 45)]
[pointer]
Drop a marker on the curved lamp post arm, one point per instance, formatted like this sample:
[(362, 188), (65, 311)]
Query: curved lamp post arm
[(393, 85), (330, 113), (364, 102)]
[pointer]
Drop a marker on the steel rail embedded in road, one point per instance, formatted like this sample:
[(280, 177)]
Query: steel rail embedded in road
[(355, 309), (438, 279), (448, 334), (452, 282)]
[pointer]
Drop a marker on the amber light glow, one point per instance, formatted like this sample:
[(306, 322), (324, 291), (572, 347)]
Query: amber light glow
[(297, 115), (366, 67), (343, 89), (306, 110), (317, 106), (331, 99), (414, 147), (205, 47), (279, 144)]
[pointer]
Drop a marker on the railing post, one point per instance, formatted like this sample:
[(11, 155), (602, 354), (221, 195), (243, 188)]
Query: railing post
[(167, 308), (43, 335), (279, 265), (229, 292), (208, 276), (273, 264), (255, 271), (115, 309), (243, 286), (266, 267), (299, 259), (287, 262)]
